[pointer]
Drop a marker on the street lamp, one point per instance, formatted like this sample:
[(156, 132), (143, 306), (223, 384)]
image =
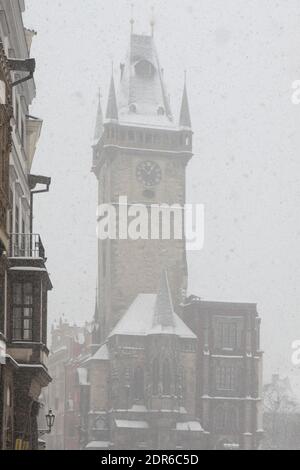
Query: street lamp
[(50, 419)]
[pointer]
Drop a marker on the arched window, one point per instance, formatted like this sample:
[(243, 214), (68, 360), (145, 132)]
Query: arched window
[(226, 420), (220, 419), (232, 420), (161, 111), (9, 397), (155, 377), (167, 378), (138, 383)]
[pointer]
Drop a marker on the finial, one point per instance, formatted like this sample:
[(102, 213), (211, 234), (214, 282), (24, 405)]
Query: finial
[(132, 18), (185, 75), (152, 21)]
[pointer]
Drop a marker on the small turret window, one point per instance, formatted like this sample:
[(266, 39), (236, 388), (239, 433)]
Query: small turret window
[(167, 378), (132, 109), (155, 377), (161, 111), (138, 383), (145, 69)]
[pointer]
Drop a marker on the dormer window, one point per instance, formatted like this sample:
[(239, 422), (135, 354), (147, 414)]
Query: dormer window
[(144, 69), (161, 111)]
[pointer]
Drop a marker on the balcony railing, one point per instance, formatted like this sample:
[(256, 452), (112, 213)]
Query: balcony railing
[(24, 245)]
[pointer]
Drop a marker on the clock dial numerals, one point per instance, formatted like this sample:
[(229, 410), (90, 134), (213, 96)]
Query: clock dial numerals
[(149, 173)]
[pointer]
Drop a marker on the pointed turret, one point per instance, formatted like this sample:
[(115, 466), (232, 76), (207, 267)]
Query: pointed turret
[(96, 334), (143, 98), (112, 106), (96, 314), (185, 116), (164, 312), (99, 121)]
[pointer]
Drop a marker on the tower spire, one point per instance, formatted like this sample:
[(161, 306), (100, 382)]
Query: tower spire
[(164, 306), (132, 18), (112, 106), (152, 21), (99, 119), (185, 116)]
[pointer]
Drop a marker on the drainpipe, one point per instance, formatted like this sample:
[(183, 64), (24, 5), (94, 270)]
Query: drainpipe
[(33, 182)]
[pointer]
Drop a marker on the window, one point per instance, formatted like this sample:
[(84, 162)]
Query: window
[(226, 420), (155, 377), (167, 378), (220, 419), (23, 251), (227, 333), (132, 109), (17, 115), (17, 219), (8, 397), (131, 136), (225, 378), (149, 138), (11, 198), (138, 383), (22, 311)]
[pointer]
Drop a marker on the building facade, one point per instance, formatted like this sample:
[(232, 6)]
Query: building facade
[(25, 283), (229, 372), (70, 346), (5, 149)]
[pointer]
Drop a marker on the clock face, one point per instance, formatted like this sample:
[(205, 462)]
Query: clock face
[(149, 173)]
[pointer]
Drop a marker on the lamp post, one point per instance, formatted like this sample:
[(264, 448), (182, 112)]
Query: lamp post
[(50, 419)]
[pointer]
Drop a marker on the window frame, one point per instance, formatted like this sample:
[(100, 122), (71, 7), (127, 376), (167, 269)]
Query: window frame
[(22, 311)]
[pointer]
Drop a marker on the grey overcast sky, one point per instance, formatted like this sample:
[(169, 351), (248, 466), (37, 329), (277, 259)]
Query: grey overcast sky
[(242, 58)]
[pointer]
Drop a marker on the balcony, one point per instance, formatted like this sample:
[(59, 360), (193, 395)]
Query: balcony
[(23, 245)]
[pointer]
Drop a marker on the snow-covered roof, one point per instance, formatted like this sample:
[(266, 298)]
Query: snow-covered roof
[(139, 318), (101, 355), (129, 424), (98, 445), (194, 426), (28, 268)]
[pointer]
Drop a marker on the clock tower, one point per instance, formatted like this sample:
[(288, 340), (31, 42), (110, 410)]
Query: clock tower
[(140, 152)]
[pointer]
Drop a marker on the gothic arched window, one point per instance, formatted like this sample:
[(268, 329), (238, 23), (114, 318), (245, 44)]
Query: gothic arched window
[(167, 378), (226, 420), (155, 377), (232, 420), (138, 383), (220, 419)]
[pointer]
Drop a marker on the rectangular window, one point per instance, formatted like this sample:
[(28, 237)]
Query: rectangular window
[(11, 198), (22, 311), (17, 220), (225, 378), (227, 334)]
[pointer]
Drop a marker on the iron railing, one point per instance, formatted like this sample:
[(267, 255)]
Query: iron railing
[(26, 245)]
